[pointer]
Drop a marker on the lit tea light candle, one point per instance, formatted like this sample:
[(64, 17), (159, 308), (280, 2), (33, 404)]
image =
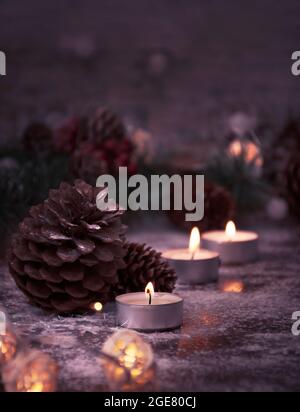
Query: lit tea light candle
[(149, 311), (233, 246), (194, 265)]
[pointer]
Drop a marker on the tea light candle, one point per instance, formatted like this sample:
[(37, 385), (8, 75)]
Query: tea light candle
[(194, 265), (148, 311), (234, 246)]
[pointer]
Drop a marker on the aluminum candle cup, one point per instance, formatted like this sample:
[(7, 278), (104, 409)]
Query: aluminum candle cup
[(203, 268), (241, 248), (194, 265), (135, 312)]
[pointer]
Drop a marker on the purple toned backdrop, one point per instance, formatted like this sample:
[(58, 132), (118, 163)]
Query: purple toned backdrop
[(175, 67)]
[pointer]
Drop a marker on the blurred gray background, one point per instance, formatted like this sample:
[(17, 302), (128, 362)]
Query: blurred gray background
[(176, 68)]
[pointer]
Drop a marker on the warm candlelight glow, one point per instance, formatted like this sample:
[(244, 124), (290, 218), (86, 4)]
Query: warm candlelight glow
[(97, 306), (149, 289), (230, 230), (194, 241), (232, 286)]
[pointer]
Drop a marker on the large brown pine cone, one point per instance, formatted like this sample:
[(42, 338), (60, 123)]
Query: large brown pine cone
[(292, 184), (143, 265), (219, 208), (67, 252), (105, 124)]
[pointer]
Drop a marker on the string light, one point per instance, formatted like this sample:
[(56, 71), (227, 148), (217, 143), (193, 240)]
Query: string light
[(97, 306), (127, 360), (30, 371)]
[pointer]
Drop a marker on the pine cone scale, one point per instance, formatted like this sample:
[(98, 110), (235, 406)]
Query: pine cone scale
[(85, 246)]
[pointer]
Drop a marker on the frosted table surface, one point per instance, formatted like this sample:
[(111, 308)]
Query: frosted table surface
[(229, 341)]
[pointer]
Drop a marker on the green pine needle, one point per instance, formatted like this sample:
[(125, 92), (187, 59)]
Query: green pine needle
[(240, 178)]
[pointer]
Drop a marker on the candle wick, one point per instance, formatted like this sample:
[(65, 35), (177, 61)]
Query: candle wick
[(150, 297), (193, 255)]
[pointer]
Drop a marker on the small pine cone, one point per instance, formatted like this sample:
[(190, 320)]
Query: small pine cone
[(67, 252), (38, 139), (218, 209), (105, 124), (143, 265), (292, 184)]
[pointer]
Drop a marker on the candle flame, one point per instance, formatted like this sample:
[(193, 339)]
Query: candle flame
[(230, 230), (194, 241), (149, 289)]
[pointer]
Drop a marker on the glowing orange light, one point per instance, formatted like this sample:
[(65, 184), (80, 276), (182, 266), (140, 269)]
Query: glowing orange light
[(233, 286), (30, 371), (235, 148), (230, 230), (249, 150), (194, 243), (8, 346), (127, 360), (36, 387)]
